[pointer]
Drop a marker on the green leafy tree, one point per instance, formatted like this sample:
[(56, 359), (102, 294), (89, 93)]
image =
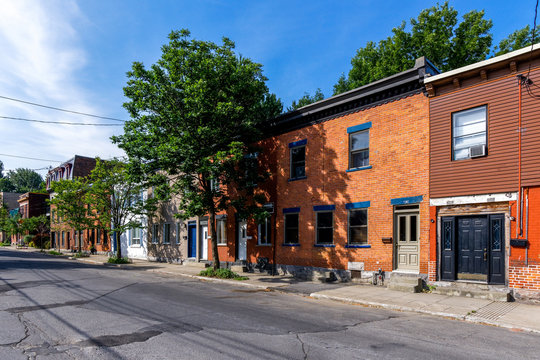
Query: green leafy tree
[(69, 200), (39, 225), (306, 100), (21, 181), (4, 221), (517, 40), (193, 115), (436, 34), (116, 202)]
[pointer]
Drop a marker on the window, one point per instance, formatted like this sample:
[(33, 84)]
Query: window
[(468, 131), (325, 227), (178, 227), (214, 185), (136, 236), (359, 149), (358, 226), (291, 228), (166, 233), (265, 232), (98, 236), (221, 230), (155, 238), (105, 237), (298, 162), (63, 238)]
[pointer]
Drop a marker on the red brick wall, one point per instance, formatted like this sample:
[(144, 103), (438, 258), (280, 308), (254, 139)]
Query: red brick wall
[(399, 160), (524, 268)]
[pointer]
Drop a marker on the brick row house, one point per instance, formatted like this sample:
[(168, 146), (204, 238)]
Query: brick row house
[(485, 173), (32, 204), (349, 186), (62, 235)]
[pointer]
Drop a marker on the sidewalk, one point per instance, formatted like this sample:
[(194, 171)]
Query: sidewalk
[(512, 315)]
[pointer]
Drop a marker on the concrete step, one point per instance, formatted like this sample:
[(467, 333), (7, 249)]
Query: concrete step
[(473, 290), (406, 282), (195, 264), (238, 268)]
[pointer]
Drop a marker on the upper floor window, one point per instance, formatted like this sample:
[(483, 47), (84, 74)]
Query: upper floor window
[(359, 149), (469, 133), (298, 159)]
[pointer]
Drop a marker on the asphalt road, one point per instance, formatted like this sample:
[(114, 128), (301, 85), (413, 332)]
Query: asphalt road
[(54, 308)]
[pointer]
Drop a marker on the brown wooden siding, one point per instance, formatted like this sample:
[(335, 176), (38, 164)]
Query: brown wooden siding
[(498, 171)]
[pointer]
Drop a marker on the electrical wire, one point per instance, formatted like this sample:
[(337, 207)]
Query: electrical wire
[(30, 158), (60, 109), (55, 122)]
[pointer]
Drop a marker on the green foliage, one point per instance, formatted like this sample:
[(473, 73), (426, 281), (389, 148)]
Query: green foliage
[(193, 115), (222, 274), (115, 199), (516, 40), (53, 252), (306, 100), (70, 204), (436, 34), (21, 181), (47, 245), (81, 254), (118, 260), (5, 243), (28, 239)]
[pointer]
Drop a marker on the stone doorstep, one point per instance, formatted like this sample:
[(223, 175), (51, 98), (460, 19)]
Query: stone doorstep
[(473, 290)]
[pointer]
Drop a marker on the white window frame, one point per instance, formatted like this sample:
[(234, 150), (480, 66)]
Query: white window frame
[(267, 227), (166, 236), (155, 237), (132, 237), (455, 117), (221, 240)]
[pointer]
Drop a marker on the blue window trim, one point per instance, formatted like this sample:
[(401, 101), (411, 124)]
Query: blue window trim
[(298, 178), (407, 200), (358, 246), (302, 142), (359, 168), (291, 210), (358, 205), (284, 244), (324, 245), (324, 207), (357, 128)]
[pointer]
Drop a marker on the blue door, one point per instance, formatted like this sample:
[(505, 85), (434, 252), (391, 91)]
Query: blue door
[(192, 237)]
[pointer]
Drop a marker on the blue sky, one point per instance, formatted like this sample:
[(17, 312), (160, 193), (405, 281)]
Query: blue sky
[(74, 55)]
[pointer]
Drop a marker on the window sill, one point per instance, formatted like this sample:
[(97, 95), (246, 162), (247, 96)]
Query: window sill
[(284, 244), (324, 245), (359, 168), (298, 178), (264, 245), (358, 246), (134, 246), (222, 245)]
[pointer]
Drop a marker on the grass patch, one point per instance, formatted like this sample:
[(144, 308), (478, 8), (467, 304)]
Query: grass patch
[(53, 252), (117, 260), (222, 274), (5, 244), (80, 255)]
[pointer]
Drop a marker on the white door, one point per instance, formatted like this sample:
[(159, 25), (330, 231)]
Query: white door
[(242, 240), (407, 242), (204, 242)]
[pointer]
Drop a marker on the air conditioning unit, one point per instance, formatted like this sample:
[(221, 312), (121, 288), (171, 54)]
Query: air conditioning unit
[(477, 151)]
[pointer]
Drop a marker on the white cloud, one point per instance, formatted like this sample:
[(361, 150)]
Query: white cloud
[(43, 56)]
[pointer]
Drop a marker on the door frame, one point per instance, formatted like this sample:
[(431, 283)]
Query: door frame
[(237, 247), (503, 254), (191, 240)]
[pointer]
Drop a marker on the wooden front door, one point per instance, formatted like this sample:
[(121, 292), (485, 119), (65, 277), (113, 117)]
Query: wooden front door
[(407, 241)]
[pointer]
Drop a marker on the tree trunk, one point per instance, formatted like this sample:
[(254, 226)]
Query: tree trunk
[(117, 235), (213, 234)]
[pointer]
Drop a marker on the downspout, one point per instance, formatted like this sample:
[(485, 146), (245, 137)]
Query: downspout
[(519, 224), (527, 229)]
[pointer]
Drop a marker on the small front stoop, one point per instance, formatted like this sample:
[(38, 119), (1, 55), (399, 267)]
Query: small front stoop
[(406, 282), (473, 290)]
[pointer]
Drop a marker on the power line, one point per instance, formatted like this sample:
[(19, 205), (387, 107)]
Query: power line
[(59, 109), (55, 122), (30, 158)]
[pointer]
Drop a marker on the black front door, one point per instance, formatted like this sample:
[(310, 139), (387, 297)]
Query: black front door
[(472, 257), (472, 248)]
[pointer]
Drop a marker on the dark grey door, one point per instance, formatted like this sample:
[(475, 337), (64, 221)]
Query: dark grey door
[(496, 256), (448, 248), (472, 256)]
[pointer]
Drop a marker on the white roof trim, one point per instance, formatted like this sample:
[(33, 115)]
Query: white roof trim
[(481, 64)]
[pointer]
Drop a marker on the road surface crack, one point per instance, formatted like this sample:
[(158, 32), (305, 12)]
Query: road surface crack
[(303, 347)]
